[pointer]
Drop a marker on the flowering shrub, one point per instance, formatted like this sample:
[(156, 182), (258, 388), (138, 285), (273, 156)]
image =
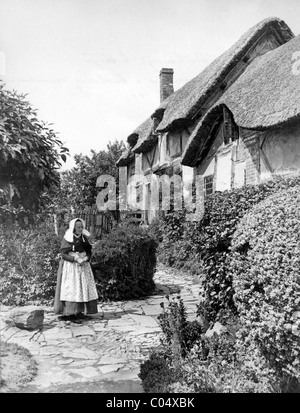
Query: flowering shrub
[(179, 333), (28, 265), (226, 368), (124, 263), (266, 266), (188, 361)]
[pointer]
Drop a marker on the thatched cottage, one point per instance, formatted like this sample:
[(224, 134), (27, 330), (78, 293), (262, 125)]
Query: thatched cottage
[(235, 124)]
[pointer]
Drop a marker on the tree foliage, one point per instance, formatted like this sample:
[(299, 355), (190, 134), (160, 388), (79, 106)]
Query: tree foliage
[(30, 155), (78, 185)]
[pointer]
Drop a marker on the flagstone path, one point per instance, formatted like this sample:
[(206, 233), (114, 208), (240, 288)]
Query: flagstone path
[(102, 354)]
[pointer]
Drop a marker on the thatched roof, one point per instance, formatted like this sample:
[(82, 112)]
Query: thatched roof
[(185, 102), (266, 95), (146, 137), (268, 92), (126, 157)]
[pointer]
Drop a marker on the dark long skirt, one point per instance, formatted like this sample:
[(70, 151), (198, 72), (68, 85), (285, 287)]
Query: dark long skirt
[(70, 307)]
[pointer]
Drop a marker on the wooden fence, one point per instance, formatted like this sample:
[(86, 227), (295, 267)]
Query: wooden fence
[(100, 222), (96, 222)]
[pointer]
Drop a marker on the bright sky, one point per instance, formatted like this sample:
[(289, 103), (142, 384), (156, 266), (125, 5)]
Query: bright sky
[(91, 67)]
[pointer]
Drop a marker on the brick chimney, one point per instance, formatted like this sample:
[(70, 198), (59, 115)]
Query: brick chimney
[(166, 83)]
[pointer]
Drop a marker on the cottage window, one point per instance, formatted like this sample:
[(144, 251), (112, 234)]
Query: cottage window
[(139, 193), (150, 158), (208, 185), (174, 144), (229, 128)]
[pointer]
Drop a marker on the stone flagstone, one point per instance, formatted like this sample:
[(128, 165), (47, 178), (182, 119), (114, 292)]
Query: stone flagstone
[(145, 321), (82, 331), (50, 351), (152, 309), (104, 348), (81, 353), (112, 360), (57, 333), (65, 362), (110, 368), (87, 372), (83, 363)]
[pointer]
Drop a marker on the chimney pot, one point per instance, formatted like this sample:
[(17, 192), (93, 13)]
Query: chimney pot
[(166, 83)]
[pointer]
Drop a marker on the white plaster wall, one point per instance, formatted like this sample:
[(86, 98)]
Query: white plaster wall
[(239, 174), (223, 172), (207, 167)]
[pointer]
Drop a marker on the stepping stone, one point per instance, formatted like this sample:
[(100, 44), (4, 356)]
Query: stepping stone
[(82, 331), (112, 360), (81, 353)]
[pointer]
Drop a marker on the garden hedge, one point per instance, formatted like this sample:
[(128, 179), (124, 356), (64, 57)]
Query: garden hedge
[(204, 247), (265, 265), (124, 263)]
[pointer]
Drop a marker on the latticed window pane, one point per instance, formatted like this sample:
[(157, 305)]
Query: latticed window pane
[(208, 185)]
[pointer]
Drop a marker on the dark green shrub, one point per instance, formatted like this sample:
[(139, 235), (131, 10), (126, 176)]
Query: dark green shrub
[(220, 365), (266, 266), (155, 229), (28, 265), (223, 211), (205, 246), (156, 373), (124, 263)]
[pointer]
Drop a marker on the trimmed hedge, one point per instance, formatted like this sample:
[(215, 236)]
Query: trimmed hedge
[(205, 246), (266, 278), (124, 263)]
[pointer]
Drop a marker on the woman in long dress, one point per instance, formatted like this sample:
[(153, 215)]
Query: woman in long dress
[(76, 294)]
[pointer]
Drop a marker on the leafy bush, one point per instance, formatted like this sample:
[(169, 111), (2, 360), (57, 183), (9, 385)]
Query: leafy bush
[(190, 362), (205, 246), (224, 367), (223, 212), (28, 265), (162, 368), (156, 373), (266, 266), (180, 334), (124, 262)]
